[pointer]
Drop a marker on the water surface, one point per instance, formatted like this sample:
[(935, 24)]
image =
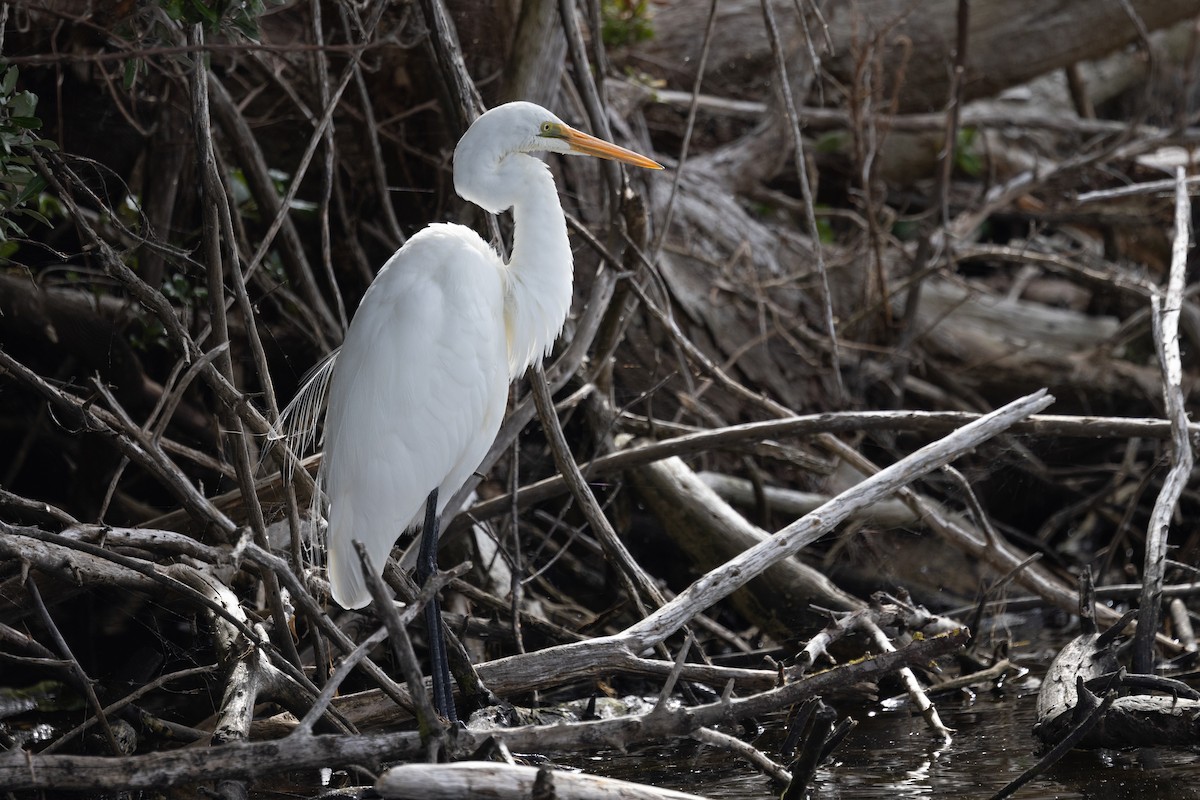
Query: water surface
[(892, 755)]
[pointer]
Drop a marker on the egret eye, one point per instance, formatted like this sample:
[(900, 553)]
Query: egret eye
[(547, 128)]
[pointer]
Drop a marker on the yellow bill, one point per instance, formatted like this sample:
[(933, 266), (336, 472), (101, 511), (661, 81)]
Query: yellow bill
[(587, 144)]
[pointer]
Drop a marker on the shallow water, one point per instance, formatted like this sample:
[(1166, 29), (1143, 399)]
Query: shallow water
[(891, 755)]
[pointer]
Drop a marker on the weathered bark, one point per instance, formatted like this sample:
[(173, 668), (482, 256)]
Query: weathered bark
[(731, 289), (908, 42), (708, 532)]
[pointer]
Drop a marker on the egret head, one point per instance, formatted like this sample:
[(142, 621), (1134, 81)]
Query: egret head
[(520, 127)]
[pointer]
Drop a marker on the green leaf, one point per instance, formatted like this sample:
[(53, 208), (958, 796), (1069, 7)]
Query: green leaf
[(966, 155), (24, 104), (32, 189), (832, 142), (29, 212), (10, 228), (131, 71), (247, 26), (20, 185), (205, 12)]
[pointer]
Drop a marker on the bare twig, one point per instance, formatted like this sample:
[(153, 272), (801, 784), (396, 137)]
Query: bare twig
[(806, 192), (155, 770), (1166, 339), (637, 583)]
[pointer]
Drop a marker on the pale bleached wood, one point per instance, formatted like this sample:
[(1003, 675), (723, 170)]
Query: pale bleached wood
[(302, 751), (509, 782), (1011, 41), (888, 514), (1166, 310), (708, 532), (735, 573)]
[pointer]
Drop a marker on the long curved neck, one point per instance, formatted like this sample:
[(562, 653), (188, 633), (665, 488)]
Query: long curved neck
[(538, 292)]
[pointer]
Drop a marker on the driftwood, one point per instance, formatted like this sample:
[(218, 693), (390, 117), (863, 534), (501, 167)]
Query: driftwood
[(1069, 708), (789, 260), (1090, 660), (472, 779), (905, 44), (239, 761), (552, 666), (710, 533)]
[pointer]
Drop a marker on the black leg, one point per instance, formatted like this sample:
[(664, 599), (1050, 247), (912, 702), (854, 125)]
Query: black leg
[(439, 665)]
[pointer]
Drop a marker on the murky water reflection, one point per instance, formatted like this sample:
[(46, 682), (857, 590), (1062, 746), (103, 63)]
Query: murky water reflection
[(891, 756)]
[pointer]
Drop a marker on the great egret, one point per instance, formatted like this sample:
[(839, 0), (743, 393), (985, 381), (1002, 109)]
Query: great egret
[(421, 381)]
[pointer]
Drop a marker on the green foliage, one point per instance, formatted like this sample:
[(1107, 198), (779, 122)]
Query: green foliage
[(247, 206), (21, 187), (825, 232), (147, 333), (833, 142), (182, 291), (625, 22), (966, 153), (219, 16)]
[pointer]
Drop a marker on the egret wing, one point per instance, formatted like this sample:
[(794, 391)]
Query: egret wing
[(417, 395), (297, 425)]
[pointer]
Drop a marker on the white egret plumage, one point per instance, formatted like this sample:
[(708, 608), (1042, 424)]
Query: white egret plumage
[(419, 387)]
